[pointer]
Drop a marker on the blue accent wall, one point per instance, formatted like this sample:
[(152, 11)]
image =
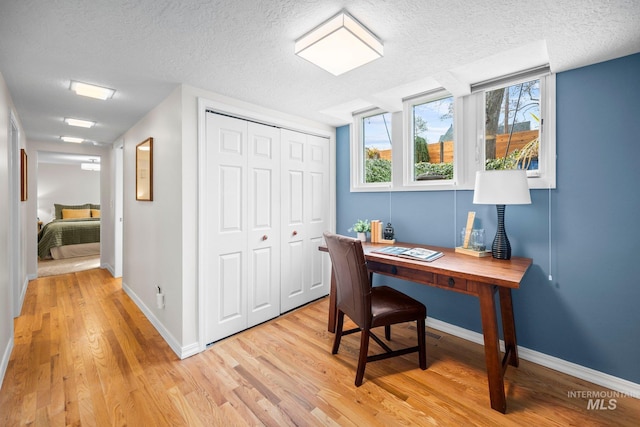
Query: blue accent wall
[(589, 313)]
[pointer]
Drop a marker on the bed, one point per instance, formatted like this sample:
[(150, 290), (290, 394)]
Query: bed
[(74, 232)]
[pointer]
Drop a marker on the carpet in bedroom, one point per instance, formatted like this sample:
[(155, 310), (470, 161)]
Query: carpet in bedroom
[(52, 267)]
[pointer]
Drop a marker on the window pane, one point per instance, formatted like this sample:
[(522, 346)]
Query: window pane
[(512, 126), (376, 137), (433, 140)]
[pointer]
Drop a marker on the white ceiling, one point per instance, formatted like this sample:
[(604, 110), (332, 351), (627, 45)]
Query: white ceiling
[(244, 49)]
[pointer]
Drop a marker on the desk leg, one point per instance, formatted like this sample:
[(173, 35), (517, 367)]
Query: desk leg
[(508, 326), (331, 327), (491, 347)]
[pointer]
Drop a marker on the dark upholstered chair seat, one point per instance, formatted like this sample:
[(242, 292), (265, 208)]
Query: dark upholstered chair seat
[(389, 306)]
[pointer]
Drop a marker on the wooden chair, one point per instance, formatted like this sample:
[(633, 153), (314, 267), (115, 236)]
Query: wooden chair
[(369, 307)]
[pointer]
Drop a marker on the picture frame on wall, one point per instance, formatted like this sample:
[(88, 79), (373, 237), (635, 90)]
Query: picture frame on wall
[(144, 170), (23, 175)]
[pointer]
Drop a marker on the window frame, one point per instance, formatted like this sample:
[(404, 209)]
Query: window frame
[(358, 157), (545, 176), (408, 146), (468, 135)]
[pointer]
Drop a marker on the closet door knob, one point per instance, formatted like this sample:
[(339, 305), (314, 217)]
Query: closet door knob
[(295, 233), (265, 237)]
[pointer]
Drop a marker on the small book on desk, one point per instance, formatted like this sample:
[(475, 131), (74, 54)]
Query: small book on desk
[(420, 254)]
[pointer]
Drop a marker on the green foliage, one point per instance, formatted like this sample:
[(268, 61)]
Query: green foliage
[(508, 162), (444, 170), (361, 226), (421, 150), (377, 170)]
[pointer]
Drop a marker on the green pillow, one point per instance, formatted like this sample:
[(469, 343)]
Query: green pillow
[(59, 208)]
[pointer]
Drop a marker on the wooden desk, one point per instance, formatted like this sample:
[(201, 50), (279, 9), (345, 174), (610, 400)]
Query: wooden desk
[(480, 277)]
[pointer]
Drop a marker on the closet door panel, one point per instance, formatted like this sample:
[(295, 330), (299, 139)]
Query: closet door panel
[(224, 230), (317, 201), (305, 184), (264, 237)]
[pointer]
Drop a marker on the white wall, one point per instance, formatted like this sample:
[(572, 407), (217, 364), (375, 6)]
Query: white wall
[(67, 185), (6, 292), (152, 245)]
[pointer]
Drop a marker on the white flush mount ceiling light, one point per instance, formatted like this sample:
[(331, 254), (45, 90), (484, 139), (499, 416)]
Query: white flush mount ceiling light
[(79, 123), (72, 139), (90, 166), (339, 45), (91, 91)]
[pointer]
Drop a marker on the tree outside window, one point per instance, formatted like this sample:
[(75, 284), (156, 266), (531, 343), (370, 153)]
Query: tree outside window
[(512, 126)]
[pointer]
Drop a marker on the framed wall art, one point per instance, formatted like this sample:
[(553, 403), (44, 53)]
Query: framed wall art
[(144, 170), (23, 175)]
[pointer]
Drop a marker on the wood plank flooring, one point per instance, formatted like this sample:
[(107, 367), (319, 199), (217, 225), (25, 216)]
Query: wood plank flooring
[(85, 355)]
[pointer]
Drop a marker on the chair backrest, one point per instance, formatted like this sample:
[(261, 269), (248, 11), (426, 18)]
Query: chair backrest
[(353, 289)]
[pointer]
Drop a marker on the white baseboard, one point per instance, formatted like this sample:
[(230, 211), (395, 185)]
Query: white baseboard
[(631, 389), (23, 292), (181, 352), (6, 355), (109, 268)]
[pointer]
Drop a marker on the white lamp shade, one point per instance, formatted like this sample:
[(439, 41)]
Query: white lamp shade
[(339, 45), (501, 187)]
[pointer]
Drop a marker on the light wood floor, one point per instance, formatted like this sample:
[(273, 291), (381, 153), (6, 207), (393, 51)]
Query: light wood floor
[(85, 355)]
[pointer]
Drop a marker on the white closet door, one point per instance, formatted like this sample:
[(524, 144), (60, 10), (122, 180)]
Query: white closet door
[(264, 223), (317, 201), (305, 204), (225, 233)]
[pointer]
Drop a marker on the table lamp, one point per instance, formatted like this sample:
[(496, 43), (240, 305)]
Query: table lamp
[(500, 188)]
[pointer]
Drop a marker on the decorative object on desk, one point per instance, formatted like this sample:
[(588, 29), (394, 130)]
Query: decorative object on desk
[(377, 233), (471, 216), (388, 232), (472, 240), (477, 247), (421, 254), (361, 227), (500, 188), (477, 239)]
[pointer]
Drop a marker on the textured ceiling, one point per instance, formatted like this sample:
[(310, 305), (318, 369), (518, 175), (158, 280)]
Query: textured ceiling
[(244, 49)]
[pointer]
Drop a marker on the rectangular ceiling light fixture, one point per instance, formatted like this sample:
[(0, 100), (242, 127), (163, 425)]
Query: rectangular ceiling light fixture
[(72, 139), (91, 91), (90, 166), (339, 45), (79, 123)]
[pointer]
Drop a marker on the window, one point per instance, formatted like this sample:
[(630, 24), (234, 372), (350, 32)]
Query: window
[(512, 126), (441, 140), (518, 115), (431, 130), (373, 154), (376, 135)]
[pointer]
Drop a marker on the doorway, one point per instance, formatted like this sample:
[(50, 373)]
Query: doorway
[(71, 180)]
